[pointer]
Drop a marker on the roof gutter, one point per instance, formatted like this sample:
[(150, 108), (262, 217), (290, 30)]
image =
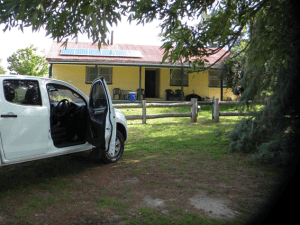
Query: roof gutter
[(121, 64)]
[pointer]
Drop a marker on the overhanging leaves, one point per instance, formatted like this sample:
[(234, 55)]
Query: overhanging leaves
[(63, 18)]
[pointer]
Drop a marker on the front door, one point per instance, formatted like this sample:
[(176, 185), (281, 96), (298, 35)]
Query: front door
[(24, 122), (150, 83), (101, 118)]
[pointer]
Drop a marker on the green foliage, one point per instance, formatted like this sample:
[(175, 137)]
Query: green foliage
[(188, 43), (232, 69), (270, 69), (273, 152), (26, 62), (63, 18), (2, 71)]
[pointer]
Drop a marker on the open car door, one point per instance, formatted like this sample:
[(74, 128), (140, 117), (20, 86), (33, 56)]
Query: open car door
[(101, 129)]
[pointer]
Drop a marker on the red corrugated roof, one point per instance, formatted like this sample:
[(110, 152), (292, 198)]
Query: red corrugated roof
[(151, 54)]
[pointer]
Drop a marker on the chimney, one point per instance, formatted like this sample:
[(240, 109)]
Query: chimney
[(112, 38)]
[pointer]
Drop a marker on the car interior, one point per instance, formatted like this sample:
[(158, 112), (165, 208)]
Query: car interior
[(68, 118)]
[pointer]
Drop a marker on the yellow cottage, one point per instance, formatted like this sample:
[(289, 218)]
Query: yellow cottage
[(128, 68)]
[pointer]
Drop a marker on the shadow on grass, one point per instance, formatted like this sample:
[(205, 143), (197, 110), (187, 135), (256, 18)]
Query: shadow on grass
[(22, 176)]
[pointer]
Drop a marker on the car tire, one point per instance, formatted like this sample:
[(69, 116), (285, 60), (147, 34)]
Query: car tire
[(119, 149)]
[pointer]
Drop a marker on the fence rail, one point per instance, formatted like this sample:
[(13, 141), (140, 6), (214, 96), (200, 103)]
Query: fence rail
[(194, 109), (193, 114), (216, 108), (153, 105)]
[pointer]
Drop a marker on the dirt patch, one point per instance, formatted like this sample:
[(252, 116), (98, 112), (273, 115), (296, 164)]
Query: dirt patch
[(153, 202), (133, 180), (213, 207)]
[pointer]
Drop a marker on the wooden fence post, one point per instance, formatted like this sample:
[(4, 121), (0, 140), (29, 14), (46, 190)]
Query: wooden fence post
[(194, 110), (212, 111), (216, 110), (144, 112)]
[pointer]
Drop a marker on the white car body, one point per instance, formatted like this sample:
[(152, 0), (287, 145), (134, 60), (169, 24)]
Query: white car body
[(27, 130)]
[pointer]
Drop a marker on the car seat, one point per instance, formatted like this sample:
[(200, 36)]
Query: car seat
[(9, 93), (31, 97)]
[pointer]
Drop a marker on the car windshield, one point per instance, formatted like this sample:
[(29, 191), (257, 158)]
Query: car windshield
[(58, 92)]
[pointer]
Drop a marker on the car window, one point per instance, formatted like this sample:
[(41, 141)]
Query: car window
[(59, 92), (23, 92), (98, 97)]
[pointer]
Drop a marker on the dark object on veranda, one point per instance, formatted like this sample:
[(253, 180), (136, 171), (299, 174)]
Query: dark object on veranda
[(189, 97), (169, 94), (142, 93), (117, 91), (238, 90), (178, 93)]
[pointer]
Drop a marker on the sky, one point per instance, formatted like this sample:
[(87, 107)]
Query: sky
[(124, 33)]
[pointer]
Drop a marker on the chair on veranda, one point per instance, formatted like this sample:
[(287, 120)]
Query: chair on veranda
[(169, 94), (178, 93), (117, 91), (142, 93)]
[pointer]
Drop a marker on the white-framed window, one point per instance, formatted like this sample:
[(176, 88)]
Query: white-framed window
[(175, 78), (214, 80), (91, 74)]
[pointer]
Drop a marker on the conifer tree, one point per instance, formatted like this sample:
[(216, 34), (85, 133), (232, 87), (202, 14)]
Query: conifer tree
[(268, 71)]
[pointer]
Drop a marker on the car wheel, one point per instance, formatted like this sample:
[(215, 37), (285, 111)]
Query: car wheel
[(119, 149)]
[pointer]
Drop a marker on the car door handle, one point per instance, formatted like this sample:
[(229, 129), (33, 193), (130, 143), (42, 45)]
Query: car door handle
[(98, 111), (9, 115)]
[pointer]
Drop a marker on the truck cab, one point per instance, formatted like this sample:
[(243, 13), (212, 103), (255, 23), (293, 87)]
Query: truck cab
[(43, 117)]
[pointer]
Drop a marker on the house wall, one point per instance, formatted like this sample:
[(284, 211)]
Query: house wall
[(198, 84), (73, 74), (127, 78)]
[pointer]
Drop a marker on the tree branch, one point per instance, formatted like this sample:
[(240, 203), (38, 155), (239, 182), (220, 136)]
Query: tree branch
[(241, 51)]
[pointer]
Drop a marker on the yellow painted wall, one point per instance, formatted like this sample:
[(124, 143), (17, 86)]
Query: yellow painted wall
[(73, 74), (164, 82), (127, 78), (227, 93), (198, 84)]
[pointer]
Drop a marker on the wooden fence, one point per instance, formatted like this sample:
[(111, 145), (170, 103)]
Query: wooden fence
[(216, 109), (193, 114)]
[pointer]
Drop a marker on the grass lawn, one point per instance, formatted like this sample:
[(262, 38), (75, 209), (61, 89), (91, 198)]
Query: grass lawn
[(170, 166)]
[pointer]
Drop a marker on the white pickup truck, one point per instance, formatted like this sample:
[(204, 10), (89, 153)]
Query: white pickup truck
[(43, 117)]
